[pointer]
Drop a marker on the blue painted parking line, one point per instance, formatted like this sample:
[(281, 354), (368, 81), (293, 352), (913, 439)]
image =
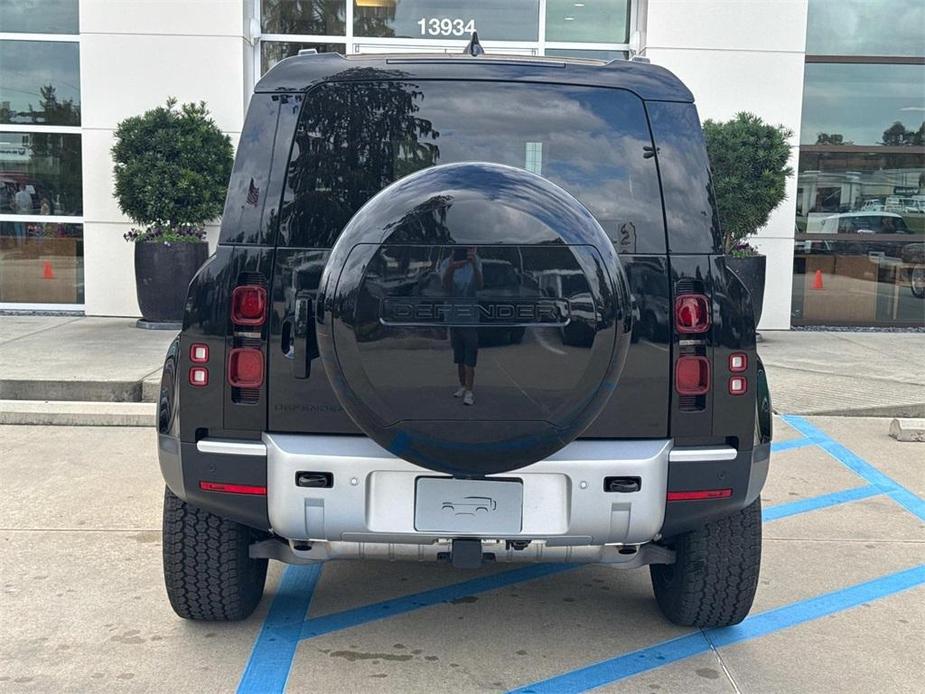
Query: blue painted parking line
[(860, 467), (791, 444), (271, 658), (408, 603), (793, 508), (659, 655)]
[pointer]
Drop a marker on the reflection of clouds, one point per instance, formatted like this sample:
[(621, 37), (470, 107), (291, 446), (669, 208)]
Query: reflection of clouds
[(30, 65), (863, 27), (860, 101), (592, 141)]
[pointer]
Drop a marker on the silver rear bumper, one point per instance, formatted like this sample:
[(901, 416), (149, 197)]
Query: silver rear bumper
[(372, 499)]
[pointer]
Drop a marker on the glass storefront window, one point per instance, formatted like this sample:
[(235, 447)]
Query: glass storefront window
[(588, 54), (861, 104), (39, 16), (513, 20), (859, 256), (41, 263), (40, 173), (592, 21), (40, 82), (271, 52), (865, 27), (321, 17)]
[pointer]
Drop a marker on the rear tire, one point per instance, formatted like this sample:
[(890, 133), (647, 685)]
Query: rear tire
[(715, 575), (208, 572)]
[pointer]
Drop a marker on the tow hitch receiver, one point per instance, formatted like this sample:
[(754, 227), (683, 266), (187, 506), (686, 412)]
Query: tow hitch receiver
[(466, 554)]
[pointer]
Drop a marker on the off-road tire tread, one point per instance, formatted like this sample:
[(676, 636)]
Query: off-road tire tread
[(207, 570), (714, 578)]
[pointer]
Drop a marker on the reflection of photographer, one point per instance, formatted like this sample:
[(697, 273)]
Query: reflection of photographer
[(461, 275)]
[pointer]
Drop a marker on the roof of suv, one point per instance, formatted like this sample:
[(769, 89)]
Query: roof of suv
[(302, 72)]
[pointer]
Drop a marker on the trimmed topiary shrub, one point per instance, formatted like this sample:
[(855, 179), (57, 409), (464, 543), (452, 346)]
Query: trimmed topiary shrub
[(748, 158), (172, 166)]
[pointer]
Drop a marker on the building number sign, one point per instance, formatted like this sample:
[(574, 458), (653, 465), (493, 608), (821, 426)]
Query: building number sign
[(445, 26)]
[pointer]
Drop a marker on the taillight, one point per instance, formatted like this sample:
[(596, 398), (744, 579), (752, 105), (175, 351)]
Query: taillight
[(738, 362), (199, 353), (245, 367), (692, 375), (738, 385), (249, 305), (199, 376), (692, 313)]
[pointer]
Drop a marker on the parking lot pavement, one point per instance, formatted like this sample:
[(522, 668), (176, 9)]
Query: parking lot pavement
[(840, 604)]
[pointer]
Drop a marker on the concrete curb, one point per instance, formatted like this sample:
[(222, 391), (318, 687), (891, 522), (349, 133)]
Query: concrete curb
[(75, 413), (913, 411)]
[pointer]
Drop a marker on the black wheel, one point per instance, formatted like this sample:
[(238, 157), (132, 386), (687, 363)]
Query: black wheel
[(917, 281), (713, 580), (207, 571)]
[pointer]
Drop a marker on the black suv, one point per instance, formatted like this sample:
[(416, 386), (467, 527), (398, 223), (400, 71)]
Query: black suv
[(472, 309)]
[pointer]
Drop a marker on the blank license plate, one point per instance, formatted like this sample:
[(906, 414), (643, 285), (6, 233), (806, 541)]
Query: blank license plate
[(481, 507)]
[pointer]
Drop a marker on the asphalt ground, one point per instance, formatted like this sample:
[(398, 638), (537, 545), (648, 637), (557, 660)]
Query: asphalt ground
[(840, 607)]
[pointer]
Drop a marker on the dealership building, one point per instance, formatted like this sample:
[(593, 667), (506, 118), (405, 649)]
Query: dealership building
[(846, 247)]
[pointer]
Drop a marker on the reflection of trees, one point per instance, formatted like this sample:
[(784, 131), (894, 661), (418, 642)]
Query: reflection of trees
[(897, 135), (374, 21), (424, 223), (324, 17), (353, 140)]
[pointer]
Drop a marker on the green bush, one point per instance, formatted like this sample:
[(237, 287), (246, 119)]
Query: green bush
[(172, 166), (748, 158)]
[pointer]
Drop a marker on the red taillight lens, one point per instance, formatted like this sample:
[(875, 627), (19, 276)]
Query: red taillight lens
[(249, 305), (199, 376), (233, 488), (692, 313), (738, 362), (700, 494), (692, 375), (199, 353), (245, 367)]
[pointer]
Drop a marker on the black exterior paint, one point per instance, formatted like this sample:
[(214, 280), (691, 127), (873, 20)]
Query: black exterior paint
[(297, 395)]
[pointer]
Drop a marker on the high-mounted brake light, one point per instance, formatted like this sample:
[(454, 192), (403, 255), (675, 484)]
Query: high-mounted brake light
[(199, 353), (245, 367), (692, 313), (692, 375), (700, 495), (249, 305), (199, 376)]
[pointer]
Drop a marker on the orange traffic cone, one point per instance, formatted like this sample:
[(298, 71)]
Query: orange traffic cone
[(817, 280), (47, 272)]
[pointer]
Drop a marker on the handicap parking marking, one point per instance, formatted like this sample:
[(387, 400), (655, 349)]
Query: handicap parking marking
[(286, 624), (815, 503), (756, 626), (905, 498)]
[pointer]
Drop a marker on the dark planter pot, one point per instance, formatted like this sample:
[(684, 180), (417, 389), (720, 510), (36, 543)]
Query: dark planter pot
[(162, 276), (751, 271)]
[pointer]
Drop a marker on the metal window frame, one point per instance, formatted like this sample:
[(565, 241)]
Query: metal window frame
[(351, 41), (38, 128)]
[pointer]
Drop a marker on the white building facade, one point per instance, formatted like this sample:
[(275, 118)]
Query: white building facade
[(107, 60)]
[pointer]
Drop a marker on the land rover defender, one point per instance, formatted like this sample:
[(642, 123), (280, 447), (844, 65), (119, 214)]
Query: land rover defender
[(466, 308)]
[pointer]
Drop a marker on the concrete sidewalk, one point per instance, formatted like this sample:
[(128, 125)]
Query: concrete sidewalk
[(108, 360)]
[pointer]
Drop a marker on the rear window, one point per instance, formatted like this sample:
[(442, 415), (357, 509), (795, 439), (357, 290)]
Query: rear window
[(355, 138)]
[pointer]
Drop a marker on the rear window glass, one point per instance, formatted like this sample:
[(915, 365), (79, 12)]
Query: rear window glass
[(353, 139)]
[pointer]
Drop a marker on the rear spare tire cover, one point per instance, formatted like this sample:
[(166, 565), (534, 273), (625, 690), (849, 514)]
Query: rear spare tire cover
[(483, 267)]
